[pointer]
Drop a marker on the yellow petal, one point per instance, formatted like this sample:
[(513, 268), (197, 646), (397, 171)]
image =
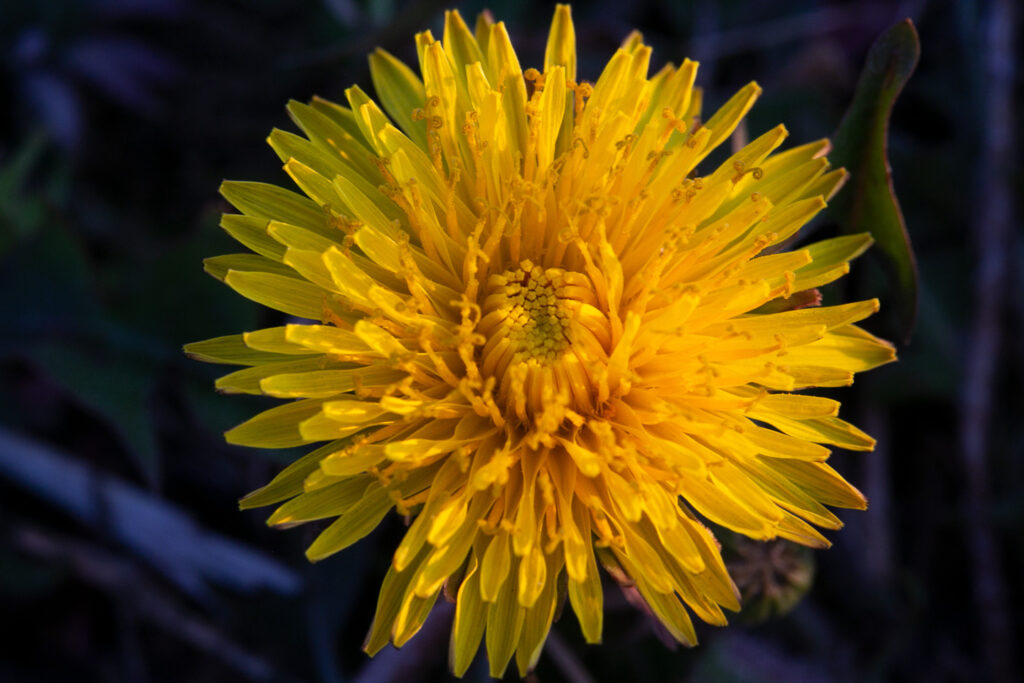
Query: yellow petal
[(587, 596), (470, 616), (232, 350), (392, 592), (532, 576), (219, 266), (329, 501), (505, 617), (561, 46), (400, 91), (725, 120), (359, 520), (280, 292), (273, 203), (275, 428), (288, 482), (349, 461), (252, 232), (537, 622), (495, 567)]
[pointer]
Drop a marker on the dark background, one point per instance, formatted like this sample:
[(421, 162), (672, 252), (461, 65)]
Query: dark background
[(123, 556)]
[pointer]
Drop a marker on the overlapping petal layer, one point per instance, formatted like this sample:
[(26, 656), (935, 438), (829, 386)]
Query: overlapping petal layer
[(542, 327)]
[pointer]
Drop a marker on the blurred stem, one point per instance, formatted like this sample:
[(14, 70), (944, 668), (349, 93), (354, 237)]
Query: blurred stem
[(993, 234)]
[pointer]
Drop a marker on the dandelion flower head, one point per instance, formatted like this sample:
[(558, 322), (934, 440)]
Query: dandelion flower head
[(536, 324)]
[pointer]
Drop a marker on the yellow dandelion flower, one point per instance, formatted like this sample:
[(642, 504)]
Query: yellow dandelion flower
[(543, 336)]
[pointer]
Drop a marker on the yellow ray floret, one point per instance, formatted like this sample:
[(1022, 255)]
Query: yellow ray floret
[(533, 320)]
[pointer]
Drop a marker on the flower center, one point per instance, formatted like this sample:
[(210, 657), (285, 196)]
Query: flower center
[(531, 320), (528, 304)]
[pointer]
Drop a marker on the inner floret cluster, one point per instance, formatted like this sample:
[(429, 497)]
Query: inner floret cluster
[(530, 304)]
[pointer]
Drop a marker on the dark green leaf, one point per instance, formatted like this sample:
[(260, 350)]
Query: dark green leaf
[(860, 144)]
